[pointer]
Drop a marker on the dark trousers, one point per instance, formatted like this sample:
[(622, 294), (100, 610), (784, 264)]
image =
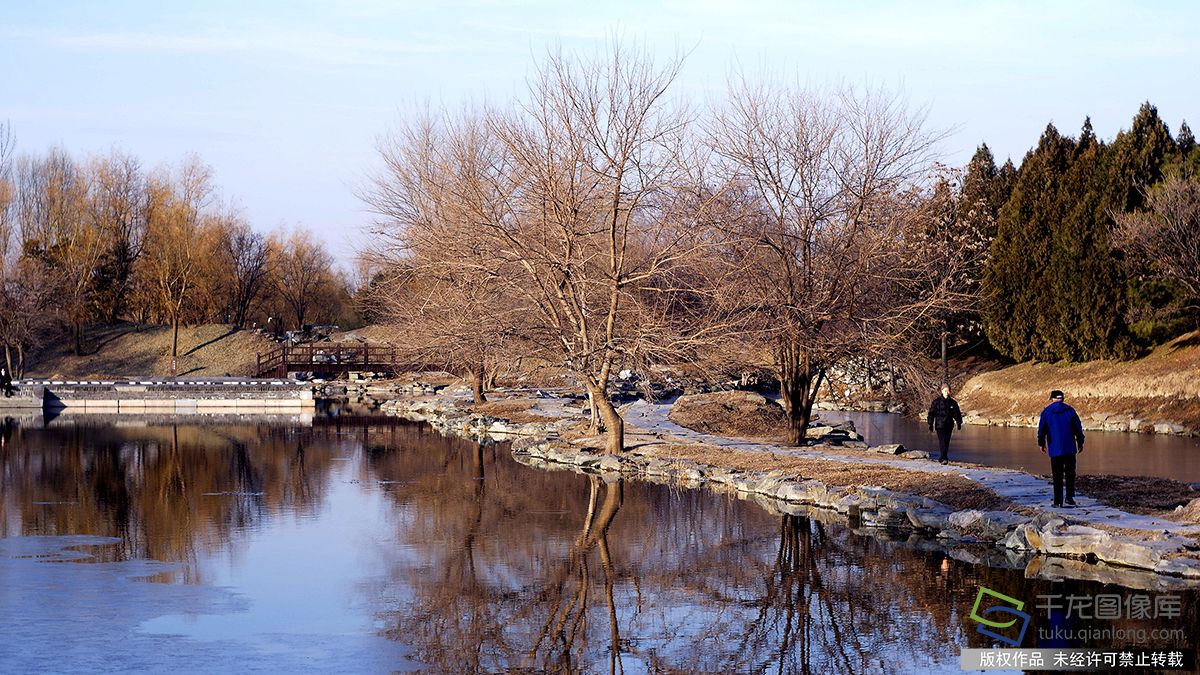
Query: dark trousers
[(1063, 466), (944, 440)]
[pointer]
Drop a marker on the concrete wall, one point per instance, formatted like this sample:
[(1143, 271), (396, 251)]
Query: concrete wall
[(160, 396)]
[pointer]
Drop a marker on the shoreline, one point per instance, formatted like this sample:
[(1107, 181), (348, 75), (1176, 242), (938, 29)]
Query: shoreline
[(1097, 543)]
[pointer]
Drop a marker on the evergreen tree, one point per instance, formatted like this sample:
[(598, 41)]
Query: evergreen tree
[(1138, 158), (1188, 164), (985, 189), (1020, 315), (1086, 282)]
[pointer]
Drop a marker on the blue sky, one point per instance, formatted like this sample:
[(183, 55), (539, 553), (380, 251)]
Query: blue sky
[(286, 99)]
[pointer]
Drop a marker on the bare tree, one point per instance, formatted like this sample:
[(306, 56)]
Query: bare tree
[(589, 170), (118, 205), (1167, 235), (247, 257), (303, 268), (30, 293), (440, 285), (178, 238), (830, 264), (8, 191), (55, 228)]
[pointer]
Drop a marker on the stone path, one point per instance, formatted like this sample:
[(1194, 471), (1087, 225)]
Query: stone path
[(1017, 486)]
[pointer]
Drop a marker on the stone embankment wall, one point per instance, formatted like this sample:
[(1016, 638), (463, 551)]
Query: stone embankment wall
[(162, 396), (1092, 422), (1155, 560)]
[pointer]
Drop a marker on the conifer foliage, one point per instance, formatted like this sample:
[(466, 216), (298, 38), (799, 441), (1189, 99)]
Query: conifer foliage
[(1055, 287)]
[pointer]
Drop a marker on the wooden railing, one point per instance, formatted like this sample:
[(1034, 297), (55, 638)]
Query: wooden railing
[(327, 356)]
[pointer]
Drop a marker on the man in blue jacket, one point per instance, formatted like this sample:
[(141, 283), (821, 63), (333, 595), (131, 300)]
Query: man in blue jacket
[(1061, 432)]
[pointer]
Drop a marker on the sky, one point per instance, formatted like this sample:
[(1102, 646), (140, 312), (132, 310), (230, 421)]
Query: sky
[(287, 100)]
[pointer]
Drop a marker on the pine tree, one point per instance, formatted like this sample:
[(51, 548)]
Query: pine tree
[(1189, 153), (1138, 158), (1086, 280), (1020, 315)]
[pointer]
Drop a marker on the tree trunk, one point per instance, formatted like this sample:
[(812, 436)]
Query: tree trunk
[(593, 415), (945, 359), (20, 361), (478, 374), (8, 359), (175, 336), (614, 426), (799, 382), (78, 328)]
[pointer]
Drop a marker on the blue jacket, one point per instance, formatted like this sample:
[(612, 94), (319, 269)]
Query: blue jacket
[(1060, 426)]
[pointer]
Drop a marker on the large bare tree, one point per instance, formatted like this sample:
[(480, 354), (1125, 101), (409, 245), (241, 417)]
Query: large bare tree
[(57, 229), (302, 271), (439, 284), (827, 247), (179, 235), (589, 169)]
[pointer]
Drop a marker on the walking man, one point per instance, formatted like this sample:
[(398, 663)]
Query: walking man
[(943, 415), (1061, 433)]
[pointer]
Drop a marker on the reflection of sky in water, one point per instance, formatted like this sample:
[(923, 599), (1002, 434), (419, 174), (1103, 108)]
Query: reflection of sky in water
[(403, 556), (283, 601)]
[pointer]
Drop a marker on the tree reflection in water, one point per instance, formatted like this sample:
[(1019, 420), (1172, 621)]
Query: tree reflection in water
[(171, 492), (480, 564)]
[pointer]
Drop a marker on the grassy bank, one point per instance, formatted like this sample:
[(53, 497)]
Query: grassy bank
[(1164, 386), (132, 349)]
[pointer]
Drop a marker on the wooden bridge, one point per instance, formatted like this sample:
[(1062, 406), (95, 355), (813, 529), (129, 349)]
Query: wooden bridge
[(328, 357)]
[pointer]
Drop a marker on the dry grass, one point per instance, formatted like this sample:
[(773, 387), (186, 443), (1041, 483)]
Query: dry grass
[(950, 489), (130, 349), (740, 414), (1138, 494), (1162, 386)]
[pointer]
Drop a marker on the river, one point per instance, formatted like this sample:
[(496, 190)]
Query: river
[(372, 545), (1105, 452)]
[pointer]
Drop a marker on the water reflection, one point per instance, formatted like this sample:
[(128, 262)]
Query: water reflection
[(472, 562)]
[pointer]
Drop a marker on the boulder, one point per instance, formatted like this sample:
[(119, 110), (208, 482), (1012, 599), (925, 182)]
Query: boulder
[(1189, 568), (988, 525), (889, 449)]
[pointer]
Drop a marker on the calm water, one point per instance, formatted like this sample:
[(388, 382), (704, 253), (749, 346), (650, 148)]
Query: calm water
[(376, 546), (1117, 453)]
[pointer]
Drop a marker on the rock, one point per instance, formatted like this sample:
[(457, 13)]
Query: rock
[(1024, 537), (1169, 428), (529, 445), (889, 449), (1189, 568), (1072, 540), (988, 525), (914, 454)]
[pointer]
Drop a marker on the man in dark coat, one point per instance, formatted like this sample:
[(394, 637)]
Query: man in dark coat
[(943, 415), (1060, 433)]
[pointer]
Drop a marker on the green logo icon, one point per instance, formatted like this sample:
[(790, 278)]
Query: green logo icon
[(1013, 609)]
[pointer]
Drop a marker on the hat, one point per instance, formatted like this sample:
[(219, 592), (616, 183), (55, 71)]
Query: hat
[(1056, 394)]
